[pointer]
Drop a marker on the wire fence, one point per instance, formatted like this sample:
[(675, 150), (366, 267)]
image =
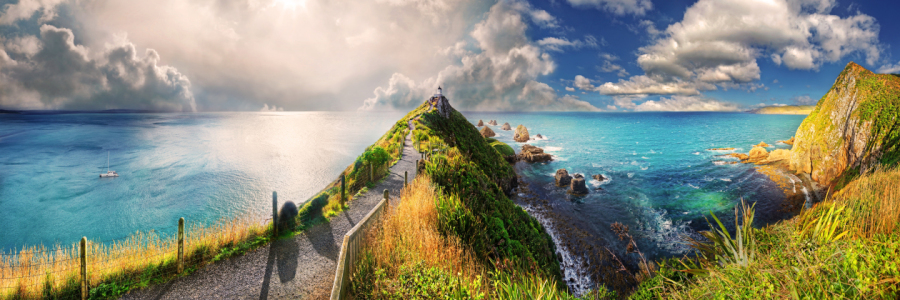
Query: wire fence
[(97, 268)]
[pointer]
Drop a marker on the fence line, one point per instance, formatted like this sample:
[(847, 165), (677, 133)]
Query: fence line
[(350, 248)]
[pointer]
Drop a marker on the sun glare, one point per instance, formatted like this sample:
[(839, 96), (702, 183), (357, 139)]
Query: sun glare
[(292, 5)]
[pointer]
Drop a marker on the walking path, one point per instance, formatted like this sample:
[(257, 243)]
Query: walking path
[(301, 267)]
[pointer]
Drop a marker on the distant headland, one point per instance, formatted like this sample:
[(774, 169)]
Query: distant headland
[(784, 110)]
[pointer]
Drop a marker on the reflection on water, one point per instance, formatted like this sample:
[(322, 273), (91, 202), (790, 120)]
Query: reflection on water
[(199, 166)]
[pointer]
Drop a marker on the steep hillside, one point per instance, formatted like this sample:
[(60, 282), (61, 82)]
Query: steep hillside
[(853, 128), (784, 110)]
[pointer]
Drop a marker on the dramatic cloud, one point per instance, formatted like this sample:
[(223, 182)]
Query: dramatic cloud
[(558, 44), (52, 72), (719, 41), (686, 103), (619, 7), (501, 74)]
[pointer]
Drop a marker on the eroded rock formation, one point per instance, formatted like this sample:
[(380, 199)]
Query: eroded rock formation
[(487, 132), (521, 135), (562, 178), (533, 154)]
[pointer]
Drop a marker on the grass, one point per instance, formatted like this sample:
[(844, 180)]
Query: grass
[(141, 259), (844, 247)]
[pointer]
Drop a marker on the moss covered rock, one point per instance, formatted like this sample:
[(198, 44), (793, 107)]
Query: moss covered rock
[(853, 127)]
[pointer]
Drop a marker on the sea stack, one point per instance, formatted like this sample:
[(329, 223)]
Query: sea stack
[(578, 188), (480, 123), (492, 122), (521, 135), (533, 154), (762, 144), (599, 177), (487, 132), (506, 126), (562, 178), (758, 154)]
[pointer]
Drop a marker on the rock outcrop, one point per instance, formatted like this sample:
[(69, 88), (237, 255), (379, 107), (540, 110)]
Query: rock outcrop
[(578, 186), (487, 132), (506, 126), (853, 127), (789, 142), (562, 178), (480, 123), (757, 154), (521, 135), (599, 177), (492, 122), (533, 154), (776, 155), (762, 144), (443, 107), (538, 136), (740, 156), (720, 149)]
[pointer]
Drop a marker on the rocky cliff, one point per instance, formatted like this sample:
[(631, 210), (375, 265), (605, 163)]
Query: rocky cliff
[(853, 128)]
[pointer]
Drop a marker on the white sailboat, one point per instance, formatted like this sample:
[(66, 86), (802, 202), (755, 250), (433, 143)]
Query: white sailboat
[(108, 172)]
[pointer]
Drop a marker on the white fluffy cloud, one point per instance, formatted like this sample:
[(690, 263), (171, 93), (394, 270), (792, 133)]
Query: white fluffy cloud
[(559, 44), (718, 43), (501, 74), (52, 72), (890, 69), (619, 7), (686, 103)]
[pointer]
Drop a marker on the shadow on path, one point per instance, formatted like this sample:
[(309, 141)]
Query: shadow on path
[(284, 254), (322, 240)]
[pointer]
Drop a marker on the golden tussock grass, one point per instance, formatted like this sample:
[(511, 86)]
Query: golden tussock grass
[(32, 271), (408, 235), (874, 203)]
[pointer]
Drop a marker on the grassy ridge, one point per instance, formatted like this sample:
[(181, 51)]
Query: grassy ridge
[(844, 247)]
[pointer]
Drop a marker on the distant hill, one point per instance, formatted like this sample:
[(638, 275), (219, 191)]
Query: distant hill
[(784, 110)]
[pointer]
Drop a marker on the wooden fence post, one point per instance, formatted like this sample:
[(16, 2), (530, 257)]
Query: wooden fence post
[(405, 178), (371, 172), (180, 245), (343, 195), (274, 213), (84, 286), (387, 198)]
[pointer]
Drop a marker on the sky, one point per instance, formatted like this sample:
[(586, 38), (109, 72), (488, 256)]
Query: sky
[(508, 55)]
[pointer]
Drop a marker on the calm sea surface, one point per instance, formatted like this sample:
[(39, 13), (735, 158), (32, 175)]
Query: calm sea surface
[(208, 166), (202, 167)]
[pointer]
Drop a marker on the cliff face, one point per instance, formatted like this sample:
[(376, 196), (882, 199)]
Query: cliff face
[(853, 128)]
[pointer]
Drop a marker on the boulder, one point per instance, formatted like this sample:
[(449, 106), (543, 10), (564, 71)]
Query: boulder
[(789, 142), (762, 144), (521, 135), (562, 178), (287, 217), (776, 156), (533, 154), (599, 177), (480, 123), (492, 122), (538, 136), (578, 187), (757, 154), (487, 132), (506, 126)]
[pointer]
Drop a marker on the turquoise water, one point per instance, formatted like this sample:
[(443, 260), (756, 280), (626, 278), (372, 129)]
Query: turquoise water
[(202, 167), (663, 181)]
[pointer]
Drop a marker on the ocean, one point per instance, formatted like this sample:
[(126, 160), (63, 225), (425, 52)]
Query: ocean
[(203, 167), (209, 166), (662, 181)]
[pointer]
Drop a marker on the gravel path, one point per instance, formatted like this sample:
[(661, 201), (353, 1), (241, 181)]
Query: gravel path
[(301, 267)]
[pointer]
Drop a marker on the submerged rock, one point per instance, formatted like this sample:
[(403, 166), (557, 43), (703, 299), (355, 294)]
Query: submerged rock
[(287, 217), (562, 178), (578, 186), (521, 135), (789, 142), (599, 177), (506, 126), (762, 144), (480, 123), (487, 132), (538, 136)]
